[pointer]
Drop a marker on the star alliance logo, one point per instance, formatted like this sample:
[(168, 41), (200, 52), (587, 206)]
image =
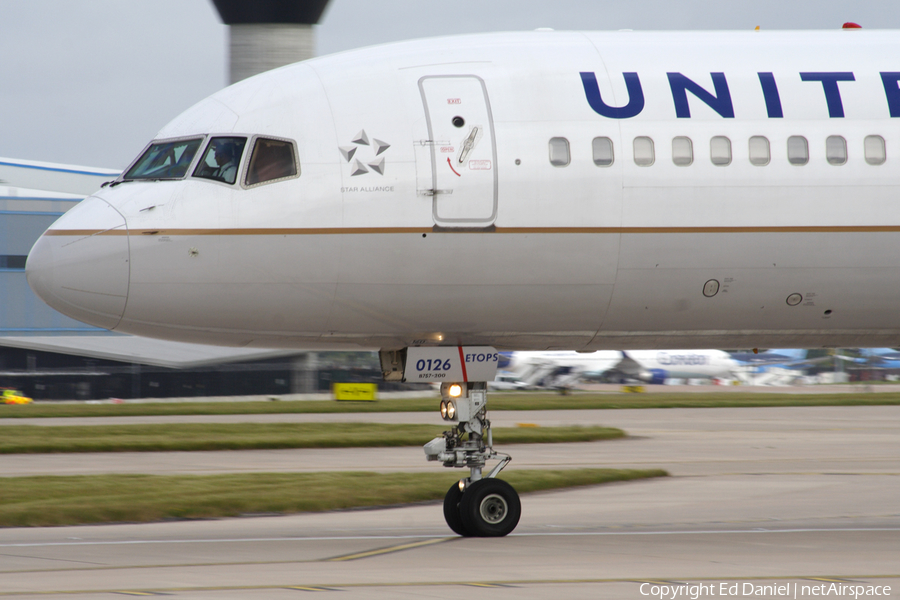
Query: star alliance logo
[(359, 167)]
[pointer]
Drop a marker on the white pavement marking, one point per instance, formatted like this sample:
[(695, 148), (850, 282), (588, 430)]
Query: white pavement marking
[(411, 537)]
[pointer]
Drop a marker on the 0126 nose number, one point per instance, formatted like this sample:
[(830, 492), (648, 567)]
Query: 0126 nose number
[(432, 365)]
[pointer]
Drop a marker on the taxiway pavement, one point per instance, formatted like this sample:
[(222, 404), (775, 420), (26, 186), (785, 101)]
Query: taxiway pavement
[(772, 496)]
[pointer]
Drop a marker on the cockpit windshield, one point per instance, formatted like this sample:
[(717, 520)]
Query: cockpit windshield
[(165, 160), (221, 159)]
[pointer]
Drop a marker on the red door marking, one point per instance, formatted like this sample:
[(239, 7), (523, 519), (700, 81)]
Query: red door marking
[(462, 360)]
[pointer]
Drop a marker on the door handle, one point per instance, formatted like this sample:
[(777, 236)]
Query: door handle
[(468, 144)]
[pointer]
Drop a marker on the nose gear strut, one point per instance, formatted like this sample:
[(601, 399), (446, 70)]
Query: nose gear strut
[(479, 505)]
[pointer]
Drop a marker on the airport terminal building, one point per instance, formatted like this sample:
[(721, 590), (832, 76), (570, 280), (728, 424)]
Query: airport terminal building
[(24, 216)]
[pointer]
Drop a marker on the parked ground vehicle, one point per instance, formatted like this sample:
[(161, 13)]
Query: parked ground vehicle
[(11, 396)]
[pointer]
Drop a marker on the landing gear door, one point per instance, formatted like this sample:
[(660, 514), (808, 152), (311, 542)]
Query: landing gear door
[(462, 150)]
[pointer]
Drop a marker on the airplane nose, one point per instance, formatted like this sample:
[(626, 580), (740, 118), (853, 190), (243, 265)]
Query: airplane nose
[(80, 266)]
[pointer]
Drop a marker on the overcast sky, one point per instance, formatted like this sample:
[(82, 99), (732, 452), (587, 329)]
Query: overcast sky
[(91, 82)]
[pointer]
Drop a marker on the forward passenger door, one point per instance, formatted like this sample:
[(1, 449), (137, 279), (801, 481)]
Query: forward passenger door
[(460, 151)]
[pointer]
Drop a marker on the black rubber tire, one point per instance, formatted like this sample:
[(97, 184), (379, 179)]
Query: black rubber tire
[(451, 511), (490, 508)]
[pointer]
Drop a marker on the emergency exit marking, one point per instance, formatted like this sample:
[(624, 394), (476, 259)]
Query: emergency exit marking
[(454, 100)]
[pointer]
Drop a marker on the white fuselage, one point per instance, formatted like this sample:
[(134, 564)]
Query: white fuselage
[(509, 227)]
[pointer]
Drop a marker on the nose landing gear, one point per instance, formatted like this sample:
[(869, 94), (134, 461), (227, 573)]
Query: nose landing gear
[(489, 508), (451, 509), (477, 506)]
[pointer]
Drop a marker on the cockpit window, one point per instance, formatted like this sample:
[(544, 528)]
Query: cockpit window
[(221, 160), (165, 160), (270, 160)]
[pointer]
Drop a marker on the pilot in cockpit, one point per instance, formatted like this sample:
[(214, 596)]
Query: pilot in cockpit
[(225, 159), (221, 158)]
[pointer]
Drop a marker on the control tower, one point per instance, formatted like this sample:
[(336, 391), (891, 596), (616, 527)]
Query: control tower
[(265, 34)]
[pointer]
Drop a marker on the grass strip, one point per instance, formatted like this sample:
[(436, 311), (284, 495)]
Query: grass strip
[(44, 501), (33, 439), (498, 401)]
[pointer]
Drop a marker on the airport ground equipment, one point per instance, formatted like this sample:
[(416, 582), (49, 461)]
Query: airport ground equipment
[(11, 396)]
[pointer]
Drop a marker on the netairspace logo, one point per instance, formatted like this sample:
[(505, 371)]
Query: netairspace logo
[(746, 588)]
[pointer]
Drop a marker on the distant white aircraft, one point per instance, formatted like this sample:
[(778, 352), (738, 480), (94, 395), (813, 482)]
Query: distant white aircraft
[(560, 368), (446, 198), (775, 356), (884, 358), (777, 367)]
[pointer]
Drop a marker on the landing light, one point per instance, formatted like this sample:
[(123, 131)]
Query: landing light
[(448, 410)]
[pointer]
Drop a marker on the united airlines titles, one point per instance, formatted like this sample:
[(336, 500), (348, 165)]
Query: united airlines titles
[(668, 359), (719, 99)]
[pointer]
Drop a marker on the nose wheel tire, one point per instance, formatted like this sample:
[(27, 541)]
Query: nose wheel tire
[(451, 511), (488, 508)]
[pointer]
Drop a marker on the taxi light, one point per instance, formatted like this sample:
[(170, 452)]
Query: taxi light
[(455, 390)]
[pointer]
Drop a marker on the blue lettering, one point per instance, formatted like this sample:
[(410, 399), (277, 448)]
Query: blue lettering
[(891, 83), (770, 93), (832, 93), (720, 102), (667, 359), (482, 358), (635, 97)]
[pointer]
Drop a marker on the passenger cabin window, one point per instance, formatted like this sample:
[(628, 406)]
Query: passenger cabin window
[(682, 151), (271, 160), (559, 152), (836, 150), (874, 148), (720, 151), (221, 159), (759, 151), (165, 160), (603, 151), (798, 150), (644, 154)]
